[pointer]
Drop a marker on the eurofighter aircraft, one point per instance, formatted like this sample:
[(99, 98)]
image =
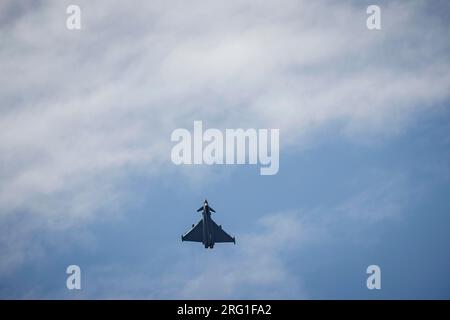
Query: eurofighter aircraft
[(206, 230)]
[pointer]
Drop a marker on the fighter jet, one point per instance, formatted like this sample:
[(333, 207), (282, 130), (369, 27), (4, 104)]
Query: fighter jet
[(206, 230)]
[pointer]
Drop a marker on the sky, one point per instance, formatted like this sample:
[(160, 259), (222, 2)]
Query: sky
[(85, 149)]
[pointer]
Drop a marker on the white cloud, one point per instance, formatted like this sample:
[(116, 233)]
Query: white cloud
[(80, 108)]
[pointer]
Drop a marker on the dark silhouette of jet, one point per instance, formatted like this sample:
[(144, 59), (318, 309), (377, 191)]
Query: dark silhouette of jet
[(206, 230)]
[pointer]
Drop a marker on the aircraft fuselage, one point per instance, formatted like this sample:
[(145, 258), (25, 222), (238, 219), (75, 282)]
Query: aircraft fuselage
[(207, 234)]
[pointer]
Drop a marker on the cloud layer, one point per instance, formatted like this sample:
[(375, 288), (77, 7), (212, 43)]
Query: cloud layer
[(82, 110)]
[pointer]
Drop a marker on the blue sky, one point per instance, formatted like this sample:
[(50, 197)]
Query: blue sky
[(364, 149)]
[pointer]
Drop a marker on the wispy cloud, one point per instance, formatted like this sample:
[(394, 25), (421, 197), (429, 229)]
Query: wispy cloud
[(80, 110)]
